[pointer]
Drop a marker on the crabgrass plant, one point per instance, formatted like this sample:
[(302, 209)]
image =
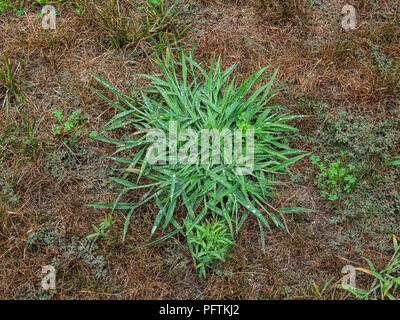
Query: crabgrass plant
[(197, 98), (210, 243)]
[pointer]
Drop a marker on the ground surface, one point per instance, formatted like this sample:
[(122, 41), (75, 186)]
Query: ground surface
[(347, 82)]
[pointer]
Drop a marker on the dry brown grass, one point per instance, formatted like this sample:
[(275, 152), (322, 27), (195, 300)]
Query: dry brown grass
[(56, 72)]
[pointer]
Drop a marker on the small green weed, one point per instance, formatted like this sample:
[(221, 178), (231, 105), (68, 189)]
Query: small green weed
[(104, 230), (334, 178), (209, 243), (15, 5), (18, 5), (321, 293), (386, 283), (68, 128), (395, 162)]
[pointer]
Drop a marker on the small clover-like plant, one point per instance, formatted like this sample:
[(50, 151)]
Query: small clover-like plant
[(334, 178), (210, 243), (67, 127)]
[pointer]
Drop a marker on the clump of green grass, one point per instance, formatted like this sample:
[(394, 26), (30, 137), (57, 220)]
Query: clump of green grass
[(156, 21), (165, 21), (201, 98), (109, 16), (10, 84), (19, 128), (386, 283), (19, 135), (210, 243)]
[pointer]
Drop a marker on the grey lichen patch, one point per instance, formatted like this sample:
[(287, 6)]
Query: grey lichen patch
[(75, 259)]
